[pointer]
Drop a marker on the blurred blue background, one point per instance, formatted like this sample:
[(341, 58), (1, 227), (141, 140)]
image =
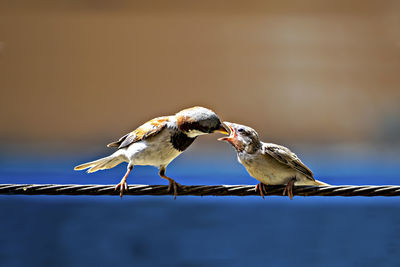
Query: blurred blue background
[(318, 76), (199, 231)]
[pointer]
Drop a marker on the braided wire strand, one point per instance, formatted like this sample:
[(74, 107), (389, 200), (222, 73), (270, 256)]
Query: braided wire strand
[(199, 190)]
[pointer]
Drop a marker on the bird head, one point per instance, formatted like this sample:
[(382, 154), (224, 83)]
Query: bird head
[(241, 137), (198, 121)]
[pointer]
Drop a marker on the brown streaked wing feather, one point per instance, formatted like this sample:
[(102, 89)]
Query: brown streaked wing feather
[(117, 143), (149, 129), (285, 156)]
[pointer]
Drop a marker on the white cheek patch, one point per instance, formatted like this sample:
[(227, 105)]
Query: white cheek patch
[(241, 139), (194, 133)]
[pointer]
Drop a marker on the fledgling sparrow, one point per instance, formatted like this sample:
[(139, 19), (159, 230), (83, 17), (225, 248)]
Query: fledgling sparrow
[(158, 142), (269, 163)]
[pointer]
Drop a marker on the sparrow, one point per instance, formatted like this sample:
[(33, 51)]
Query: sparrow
[(270, 164), (158, 142)]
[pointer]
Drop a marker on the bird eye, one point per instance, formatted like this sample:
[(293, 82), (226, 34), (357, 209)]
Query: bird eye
[(241, 130)]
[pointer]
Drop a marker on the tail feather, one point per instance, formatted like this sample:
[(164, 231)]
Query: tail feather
[(310, 182), (320, 183), (102, 164)]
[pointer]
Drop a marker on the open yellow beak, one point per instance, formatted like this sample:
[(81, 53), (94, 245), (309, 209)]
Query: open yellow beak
[(223, 129), (232, 134)]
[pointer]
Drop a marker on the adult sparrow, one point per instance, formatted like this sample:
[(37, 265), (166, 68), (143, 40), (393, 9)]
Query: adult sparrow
[(158, 142)]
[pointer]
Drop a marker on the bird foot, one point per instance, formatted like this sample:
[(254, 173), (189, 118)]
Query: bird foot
[(121, 186), (261, 187), (289, 188), (173, 187)]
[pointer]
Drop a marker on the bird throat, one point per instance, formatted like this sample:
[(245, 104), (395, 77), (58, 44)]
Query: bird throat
[(180, 141)]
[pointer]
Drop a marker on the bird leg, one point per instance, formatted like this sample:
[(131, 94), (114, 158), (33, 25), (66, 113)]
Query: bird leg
[(172, 184), (261, 187), (123, 185), (289, 188)]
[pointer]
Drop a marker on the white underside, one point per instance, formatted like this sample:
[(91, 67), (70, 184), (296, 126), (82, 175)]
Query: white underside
[(271, 172), (156, 151)]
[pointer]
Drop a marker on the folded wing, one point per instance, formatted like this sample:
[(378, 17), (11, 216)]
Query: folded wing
[(287, 157), (149, 129)]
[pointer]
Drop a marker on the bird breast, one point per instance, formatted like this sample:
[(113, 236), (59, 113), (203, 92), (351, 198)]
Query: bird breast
[(266, 169), (155, 151)]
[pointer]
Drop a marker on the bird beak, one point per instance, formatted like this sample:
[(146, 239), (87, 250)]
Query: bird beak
[(232, 133), (223, 129)]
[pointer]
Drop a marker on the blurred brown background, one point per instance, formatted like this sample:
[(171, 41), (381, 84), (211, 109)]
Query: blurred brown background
[(295, 70)]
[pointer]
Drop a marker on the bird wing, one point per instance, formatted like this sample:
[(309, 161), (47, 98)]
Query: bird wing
[(149, 129), (287, 157)]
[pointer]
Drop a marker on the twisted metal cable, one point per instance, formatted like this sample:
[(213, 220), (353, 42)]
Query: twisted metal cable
[(199, 190)]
